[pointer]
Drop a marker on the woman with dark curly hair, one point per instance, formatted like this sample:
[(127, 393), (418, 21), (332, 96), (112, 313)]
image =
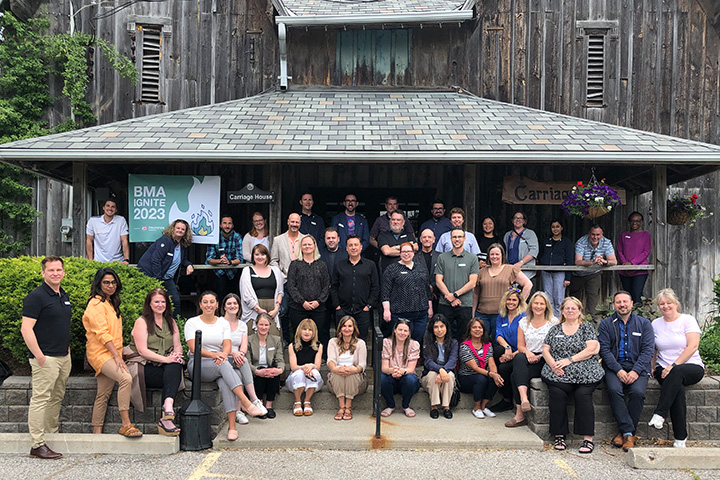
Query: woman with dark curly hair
[(103, 327), (440, 355), (165, 257)]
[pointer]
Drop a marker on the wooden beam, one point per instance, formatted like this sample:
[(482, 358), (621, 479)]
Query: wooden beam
[(79, 208), (659, 230), (275, 216), (470, 196)]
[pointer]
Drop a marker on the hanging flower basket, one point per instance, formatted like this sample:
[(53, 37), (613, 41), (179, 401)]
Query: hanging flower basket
[(592, 200), (685, 210)]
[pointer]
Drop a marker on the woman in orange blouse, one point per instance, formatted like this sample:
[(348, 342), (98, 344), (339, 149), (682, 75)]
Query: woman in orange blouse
[(103, 326)]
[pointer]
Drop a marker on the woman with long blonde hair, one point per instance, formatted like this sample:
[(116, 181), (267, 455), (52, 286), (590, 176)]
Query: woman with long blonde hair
[(305, 355)]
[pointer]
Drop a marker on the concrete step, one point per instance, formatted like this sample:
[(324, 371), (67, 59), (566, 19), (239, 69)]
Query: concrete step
[(87, 443)]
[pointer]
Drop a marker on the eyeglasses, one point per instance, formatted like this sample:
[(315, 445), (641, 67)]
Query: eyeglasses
[(350, 200), (518, 218), (109, 282), (635, 221), (406, 251)]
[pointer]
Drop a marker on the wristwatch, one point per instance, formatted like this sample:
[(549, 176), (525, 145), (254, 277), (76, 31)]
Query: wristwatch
[(456, 295)]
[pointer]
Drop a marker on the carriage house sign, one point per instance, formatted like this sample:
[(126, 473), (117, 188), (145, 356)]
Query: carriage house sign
[(251, 194), (524, 191)]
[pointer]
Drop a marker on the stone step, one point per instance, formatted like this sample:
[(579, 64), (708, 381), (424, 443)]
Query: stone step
[(87, 443)]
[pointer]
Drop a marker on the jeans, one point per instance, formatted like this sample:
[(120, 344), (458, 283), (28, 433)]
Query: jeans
[(458, 318), (554, 287), (482, 387), (672, 394), (418, 323), (626, 401), (407, 385), (490, 320), (635, 285), (172, 290)]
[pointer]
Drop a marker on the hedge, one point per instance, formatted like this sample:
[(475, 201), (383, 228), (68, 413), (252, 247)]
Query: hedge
[(18, 276)]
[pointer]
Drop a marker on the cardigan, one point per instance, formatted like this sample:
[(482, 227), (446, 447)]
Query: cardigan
[(102, 325), (249, 298), (359, 357)]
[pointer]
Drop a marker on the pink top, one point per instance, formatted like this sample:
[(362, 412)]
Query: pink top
[(633, 247), (670, 339), (397, 360)]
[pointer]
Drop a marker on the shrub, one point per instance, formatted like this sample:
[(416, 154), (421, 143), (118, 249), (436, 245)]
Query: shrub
[(18, 276), (646, 308), (710, 339)]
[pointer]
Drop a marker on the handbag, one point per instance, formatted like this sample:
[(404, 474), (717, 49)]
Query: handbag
[(455, 397)]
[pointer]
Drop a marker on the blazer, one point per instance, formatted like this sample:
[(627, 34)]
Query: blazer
[(249, 297), (280, 252), (156, 261), (274, 351), (361, 229), (642, 343)]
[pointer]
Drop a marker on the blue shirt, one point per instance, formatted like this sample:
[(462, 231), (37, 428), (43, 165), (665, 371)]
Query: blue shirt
[(509, 331), (438, 227), (587, 252), (231, 247), (313, 225), (175, 263), (444, 244), (624, 344)]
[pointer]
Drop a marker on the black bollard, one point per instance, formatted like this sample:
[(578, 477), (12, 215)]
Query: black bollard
[(195, 431)]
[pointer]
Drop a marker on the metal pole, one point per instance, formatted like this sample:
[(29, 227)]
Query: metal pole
[(377, 370), (197, 370)]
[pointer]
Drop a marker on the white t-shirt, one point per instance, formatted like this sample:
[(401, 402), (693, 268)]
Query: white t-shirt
[(212, 335), (106, 242), (535, 337), (237, 335), (345, 359), (670, 339)]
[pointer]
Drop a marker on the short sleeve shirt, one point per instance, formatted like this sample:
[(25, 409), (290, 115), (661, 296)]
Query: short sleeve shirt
[(466, 354), (671, 339), (584, 249), (52, 314), (107, 246), (397, 360), (212, 335), (237, 335), (456, 271), (564, 346)]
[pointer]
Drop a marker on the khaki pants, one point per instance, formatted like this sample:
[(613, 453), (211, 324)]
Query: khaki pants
[(105, 383), (438, 391), (48, 390), (347, 386)]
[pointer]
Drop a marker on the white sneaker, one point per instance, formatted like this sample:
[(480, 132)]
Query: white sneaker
[(679, 443), (478, 413), (488, 413), (260, 405), (241, 418), (656, 421)]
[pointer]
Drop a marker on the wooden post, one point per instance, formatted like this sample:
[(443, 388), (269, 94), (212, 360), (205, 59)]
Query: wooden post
[(659, 230), (79, 208), (276, 221), (470, 197)]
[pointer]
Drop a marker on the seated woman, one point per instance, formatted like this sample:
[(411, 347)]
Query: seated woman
[(305, 355), (230, 310), (512, 310), (347, 358), (103, 329), (572, 368), (155, 357), (259, 234), (399, 359), (308, 285), (528, 361), (265, 354), (261, 289), (676, 363), (440, 355), (477, 373), (216, 347)]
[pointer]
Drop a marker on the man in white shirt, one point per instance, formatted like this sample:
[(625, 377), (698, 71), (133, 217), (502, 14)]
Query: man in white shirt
[(106, 236)]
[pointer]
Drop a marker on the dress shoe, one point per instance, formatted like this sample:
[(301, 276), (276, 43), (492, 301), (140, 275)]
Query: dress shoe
[(45, 453), (618, 440), (447, 413), (434, 413), (628, 442)]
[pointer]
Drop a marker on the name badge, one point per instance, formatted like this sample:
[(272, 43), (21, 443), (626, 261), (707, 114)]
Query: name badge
[(403, 273), (504, 325), (271, 348), (562, 335), (254, 275), (341, 225), (549, 245), (403, 236), (67, 303), (313, 223), (628, 236), (461, 264), (170, 254), (637, 334)]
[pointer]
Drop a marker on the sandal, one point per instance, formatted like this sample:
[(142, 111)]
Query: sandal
[(409, 412), (341, 412), (130, 431), (587, 447), (174, 431), (387, 412), (232, 435), (307, 411), (297, 409), (560, 442), (348, 413), (168, 415)]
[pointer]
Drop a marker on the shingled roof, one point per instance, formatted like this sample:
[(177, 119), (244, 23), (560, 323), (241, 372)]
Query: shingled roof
[(314, 8), (366, 126)]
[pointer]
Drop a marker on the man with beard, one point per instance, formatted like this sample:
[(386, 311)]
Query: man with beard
[(227, 253), (389, 242)]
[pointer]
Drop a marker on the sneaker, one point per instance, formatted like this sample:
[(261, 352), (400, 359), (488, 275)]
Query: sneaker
[(679, 443), (478, 413), (241, 418), (656, 421), (488, 413), (260, 405)]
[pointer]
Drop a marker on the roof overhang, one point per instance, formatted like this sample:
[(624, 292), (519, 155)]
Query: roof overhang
[(376, 19)]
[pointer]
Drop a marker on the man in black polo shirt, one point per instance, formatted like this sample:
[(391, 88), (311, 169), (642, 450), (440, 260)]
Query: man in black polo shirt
[(45, 328), (355, 287)]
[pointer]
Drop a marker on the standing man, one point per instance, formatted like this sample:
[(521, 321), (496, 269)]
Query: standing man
[(428, 255), (310, 223), (456, 275), (389, 242), (445, 244), (45, 328), (106, 236), (284, 248), (521, 244), (227, 253), (593, 251), (331, 254), (354, 288), (438, 223), (627, 345), (350, 222), (382, 224)]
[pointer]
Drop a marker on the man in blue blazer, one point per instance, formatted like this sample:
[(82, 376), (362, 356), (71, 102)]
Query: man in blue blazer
[(350, 222)]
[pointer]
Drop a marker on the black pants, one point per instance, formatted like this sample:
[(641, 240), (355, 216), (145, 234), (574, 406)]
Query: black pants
[(362, 318), (458, 318), (296, 316), (225, 285), (522, 372), (504, 370), (672, 395), (269, 387), (584, 409), (166, 377)]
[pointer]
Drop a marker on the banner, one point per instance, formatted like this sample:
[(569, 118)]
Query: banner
[(158, 200), (522, 190)]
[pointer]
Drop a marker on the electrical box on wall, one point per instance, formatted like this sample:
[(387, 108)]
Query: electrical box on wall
[(66, 230)]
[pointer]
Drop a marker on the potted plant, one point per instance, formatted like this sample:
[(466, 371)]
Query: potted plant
[(590, 201), (685, 210)]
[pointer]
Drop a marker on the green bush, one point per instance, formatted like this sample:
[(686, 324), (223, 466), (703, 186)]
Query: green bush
[(19, 276), (710, 339)]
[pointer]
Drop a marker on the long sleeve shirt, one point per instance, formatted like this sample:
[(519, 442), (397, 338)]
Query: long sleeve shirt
[(307, 282), (355, 286)]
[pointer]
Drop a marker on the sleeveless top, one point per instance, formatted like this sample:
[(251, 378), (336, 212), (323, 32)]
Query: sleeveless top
[(306, 354), (161, 342)]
